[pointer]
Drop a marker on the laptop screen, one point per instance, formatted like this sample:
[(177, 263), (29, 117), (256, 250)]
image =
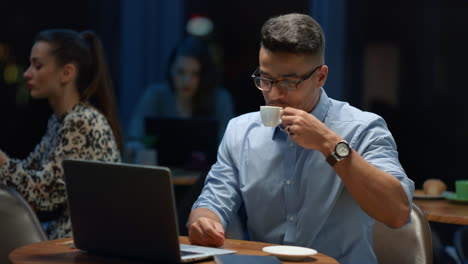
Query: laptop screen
[(126, 210), (184, 143)]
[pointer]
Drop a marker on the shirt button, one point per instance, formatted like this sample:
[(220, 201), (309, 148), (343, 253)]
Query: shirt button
[(288, 182)]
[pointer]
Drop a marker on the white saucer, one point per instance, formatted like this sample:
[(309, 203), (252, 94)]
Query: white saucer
[(292, 253)]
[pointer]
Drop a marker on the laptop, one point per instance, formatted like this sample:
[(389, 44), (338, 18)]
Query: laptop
[(184, 143), (126, 210)]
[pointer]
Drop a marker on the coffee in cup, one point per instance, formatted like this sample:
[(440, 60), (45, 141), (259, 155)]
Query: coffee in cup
[(271, 115)]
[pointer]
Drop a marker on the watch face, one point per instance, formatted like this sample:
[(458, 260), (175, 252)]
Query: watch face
[(342, 149)]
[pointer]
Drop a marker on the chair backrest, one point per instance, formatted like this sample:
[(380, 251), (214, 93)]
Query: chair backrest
[(410, 244), (18, 223), (460, 241)]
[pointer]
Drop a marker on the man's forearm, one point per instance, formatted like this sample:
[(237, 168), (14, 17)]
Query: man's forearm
[(377, 192)]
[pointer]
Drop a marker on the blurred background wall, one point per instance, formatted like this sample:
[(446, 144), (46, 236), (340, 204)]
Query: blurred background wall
[(405, 60)]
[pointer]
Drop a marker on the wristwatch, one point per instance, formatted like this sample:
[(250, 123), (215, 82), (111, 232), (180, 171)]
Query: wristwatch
[(341, 151)]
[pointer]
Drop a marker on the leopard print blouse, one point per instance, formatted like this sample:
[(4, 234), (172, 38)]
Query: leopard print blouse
[(81, 133)]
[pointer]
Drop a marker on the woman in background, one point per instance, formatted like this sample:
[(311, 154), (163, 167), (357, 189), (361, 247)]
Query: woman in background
[(191, 90), (69, 70)]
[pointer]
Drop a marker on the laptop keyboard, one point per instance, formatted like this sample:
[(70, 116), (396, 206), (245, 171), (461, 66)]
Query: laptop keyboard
[(187, 253)]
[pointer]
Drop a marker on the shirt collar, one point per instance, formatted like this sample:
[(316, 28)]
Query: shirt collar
[(321, 109), (320, 112)]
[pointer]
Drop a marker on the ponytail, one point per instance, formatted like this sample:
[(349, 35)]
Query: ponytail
[(99, 92)]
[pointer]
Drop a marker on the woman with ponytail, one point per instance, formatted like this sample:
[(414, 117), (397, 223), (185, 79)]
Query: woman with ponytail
[(69, 70)]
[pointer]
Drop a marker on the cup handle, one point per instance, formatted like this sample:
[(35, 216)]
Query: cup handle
[(280, 121)]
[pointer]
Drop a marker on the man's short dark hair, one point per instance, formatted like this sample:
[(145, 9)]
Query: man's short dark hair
[(294, 33)]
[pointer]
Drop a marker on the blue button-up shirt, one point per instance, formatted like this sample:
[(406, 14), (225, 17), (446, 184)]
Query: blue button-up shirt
[(290, 194)]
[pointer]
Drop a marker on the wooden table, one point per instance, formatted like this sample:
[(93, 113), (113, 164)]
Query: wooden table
[(444, 211), (184, 177), (58, 251), (184, 180)]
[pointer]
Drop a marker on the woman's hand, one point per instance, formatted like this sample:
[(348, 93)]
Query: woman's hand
[(3, 158)]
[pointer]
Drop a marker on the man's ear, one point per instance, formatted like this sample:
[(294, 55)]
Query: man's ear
[(68, 73), (322, 75)]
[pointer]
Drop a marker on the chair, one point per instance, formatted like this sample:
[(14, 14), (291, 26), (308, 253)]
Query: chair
[(460, 241), (19, 224), (410, 244), (185, 198)]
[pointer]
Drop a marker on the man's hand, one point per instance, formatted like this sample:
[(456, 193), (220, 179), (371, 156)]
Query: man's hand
[(307, 131), (205, 228)]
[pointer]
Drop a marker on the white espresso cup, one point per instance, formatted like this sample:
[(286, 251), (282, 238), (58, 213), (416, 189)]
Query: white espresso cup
[(271, 115)]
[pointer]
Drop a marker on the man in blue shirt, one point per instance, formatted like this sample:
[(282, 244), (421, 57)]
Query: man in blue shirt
[(318, 180)]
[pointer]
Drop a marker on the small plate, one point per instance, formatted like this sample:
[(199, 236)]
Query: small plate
[(454, 198), (419, 194), (291, 253)]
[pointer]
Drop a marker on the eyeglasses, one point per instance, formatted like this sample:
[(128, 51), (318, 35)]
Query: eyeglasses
[(265, 84)]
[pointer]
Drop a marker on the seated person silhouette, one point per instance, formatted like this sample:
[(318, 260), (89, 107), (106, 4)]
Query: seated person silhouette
[(83, 125), (191, 91)]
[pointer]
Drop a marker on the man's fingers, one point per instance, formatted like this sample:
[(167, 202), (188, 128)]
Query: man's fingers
[(288, 111), (219, 228), (195, 234), (212, 232), (205, 232)]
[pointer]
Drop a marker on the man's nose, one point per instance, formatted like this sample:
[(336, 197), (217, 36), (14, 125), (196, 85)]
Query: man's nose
[(276, 91)]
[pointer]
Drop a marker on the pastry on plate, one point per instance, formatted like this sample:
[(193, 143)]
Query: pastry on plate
[(434, 187)]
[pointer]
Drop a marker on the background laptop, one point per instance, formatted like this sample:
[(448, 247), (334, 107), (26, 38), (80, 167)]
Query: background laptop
[(184, 143), (126, 210)]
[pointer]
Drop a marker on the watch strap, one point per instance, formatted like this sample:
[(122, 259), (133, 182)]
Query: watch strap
[(331, 159)]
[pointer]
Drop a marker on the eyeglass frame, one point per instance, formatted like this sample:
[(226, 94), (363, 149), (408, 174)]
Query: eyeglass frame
[(296, 84)]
